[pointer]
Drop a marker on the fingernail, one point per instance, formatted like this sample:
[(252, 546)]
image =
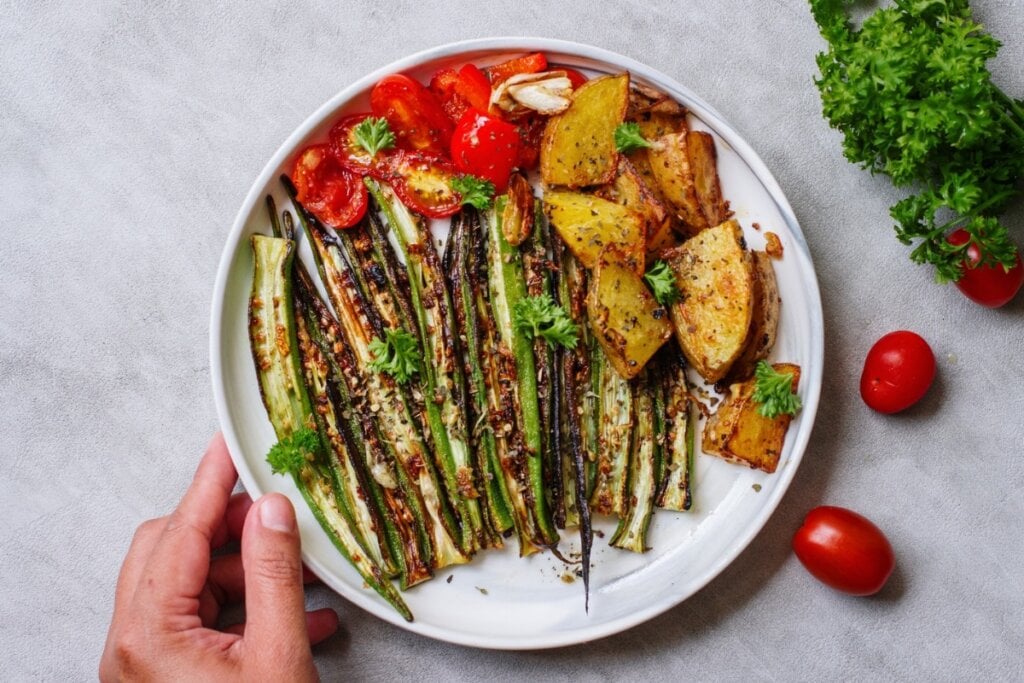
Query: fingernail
[(276, 513)]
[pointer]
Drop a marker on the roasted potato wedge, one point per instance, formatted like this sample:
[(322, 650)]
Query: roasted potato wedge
[(589, 224), (625, 317), (740, 434), (715, 275), (670, 166), (630, 190), (578, 145), (764, 321), (704, 163)]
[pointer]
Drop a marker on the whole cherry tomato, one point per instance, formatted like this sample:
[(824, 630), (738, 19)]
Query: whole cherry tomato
[(323, 186), (487, 147), (458, 91), (423, 183), (414, 114), (990, 286), (844, 550), (898, 370)]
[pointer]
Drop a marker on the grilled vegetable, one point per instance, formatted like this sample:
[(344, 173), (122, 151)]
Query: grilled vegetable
[(644, 470), (388, 486), (738, 432), (398, 424), (715, 276), (764, 318), (630, 190), (616, 418), (573, 369), (700, 147), (516, 367), (274, 344), (468, 283), (443, 382), (625, 317), (578, 147), (679, 418)]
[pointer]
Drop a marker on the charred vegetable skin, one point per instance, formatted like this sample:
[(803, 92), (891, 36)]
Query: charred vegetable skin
[(397, 417), (272, 333), (442, 378), (516, 416)]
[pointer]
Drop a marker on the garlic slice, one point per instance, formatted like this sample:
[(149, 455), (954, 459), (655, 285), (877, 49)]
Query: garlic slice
[(546, 93)]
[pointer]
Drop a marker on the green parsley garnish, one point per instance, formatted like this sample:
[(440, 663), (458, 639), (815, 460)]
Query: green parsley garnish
[(293, 453), (912, 95), (774, 391), (476, 192), (396, 355), (629, 139), (374, 134), (540, 316), (663, 283)]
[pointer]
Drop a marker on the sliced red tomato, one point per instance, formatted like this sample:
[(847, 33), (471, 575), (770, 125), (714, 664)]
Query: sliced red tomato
[(413, 112), (485, 146), (532, 63), (348, 151), (423, 182), (332, 193), (575, 77), (458, 91)]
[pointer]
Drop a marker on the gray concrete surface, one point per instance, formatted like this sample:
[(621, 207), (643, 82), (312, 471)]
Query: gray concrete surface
[(129, 134)]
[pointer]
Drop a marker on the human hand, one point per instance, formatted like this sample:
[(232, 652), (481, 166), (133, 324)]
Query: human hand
[(170, 591)]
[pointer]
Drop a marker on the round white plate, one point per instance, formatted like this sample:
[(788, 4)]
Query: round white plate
[(500, 600)]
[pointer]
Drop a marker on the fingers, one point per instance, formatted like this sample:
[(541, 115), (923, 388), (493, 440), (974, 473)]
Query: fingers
[(321, 624), (274, 600), (230, 528), (180, 559), (135, 560)]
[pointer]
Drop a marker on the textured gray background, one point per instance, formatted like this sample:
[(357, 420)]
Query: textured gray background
[(130, 134)]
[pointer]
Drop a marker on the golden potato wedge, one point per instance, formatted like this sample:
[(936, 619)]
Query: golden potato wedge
[(669, 160), (578, 145), (704, 162), (630, 190), (589, 224), (625, 317), (764, 321), (715, 275), (740, 434)]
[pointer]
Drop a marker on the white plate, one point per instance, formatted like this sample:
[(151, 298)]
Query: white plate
[(500, 600)]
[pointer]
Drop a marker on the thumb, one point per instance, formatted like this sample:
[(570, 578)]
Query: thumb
[(275, 612)]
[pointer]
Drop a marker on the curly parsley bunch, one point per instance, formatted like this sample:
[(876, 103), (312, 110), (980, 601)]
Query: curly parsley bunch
[(913, 98)]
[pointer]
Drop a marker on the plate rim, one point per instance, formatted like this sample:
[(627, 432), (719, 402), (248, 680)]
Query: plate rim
[(729, 134)]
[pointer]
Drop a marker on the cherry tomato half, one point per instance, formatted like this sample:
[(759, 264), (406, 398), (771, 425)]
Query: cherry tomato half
[(844, 550), (532, 63), (414, 114), (423, 183), (991, 286), (458, 91), (485, 146), (898, 370), (350, 153), (575, 77), (333, 194), (531, 130)]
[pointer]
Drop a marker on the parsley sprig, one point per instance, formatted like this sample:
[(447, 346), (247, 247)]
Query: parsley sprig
[(540, 316), (374, 134), (629, 139), (397, 354), (912, 95), (774, 391), (663, 283), (293, 453), (476, 192)]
